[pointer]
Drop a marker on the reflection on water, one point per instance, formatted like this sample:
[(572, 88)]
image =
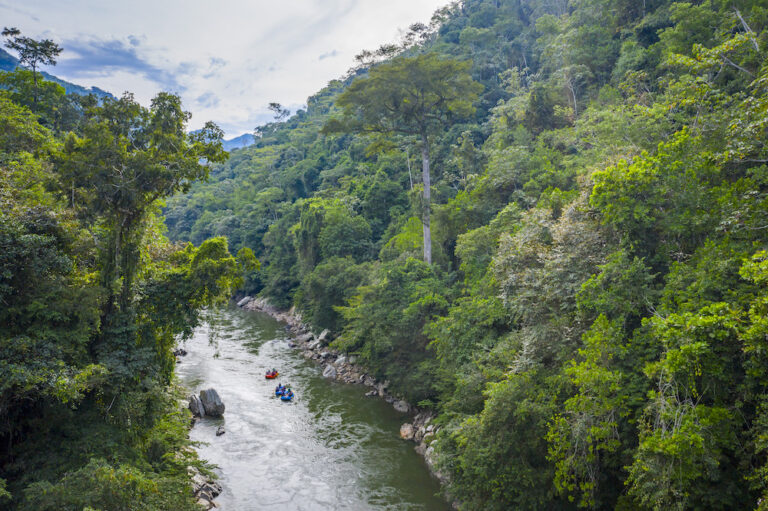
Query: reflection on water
[(332, 448)]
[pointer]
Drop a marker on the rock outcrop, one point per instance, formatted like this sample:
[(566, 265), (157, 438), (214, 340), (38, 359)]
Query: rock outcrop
[(406, 431), (204, 489), (402, 406), (212, 403), (244, 301), (330, 372), (196, 406)]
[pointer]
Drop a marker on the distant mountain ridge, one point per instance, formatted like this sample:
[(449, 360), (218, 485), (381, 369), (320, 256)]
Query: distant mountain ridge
[(8, 63), (244, 140)]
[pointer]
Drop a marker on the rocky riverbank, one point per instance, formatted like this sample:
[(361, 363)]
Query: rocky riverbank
[(204, 489), (343, 368)]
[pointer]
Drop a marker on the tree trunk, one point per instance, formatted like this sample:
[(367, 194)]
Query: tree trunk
[(426, 202), (34, 78)]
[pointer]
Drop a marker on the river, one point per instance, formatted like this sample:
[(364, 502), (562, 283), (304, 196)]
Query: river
[(331, 449)]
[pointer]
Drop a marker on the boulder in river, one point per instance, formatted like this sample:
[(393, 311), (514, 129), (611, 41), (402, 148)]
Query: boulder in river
[(244, 301), (212, 402), (220, 431), (401, 406), (196, 406), (406, 431), (305, 337), (329, 372)]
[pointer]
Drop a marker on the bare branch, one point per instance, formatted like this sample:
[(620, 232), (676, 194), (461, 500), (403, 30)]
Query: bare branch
[(748, 30)]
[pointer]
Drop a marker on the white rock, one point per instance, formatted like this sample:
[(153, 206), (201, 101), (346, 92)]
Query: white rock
[(244, 301), (196, 406), (323, 335), (406, 431), (341, 360), (329, 372)]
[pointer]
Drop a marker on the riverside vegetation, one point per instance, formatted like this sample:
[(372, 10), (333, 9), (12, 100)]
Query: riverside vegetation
[(544, 220), (93, 296), (588, 325)]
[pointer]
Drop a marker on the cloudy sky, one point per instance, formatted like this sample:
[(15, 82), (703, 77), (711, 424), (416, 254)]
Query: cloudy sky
[(226, 58)]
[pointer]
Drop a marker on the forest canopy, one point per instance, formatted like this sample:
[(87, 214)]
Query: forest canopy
[(589, 329), (94, 297)]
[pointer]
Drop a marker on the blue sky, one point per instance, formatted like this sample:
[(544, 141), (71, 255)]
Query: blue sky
[(227, 59)]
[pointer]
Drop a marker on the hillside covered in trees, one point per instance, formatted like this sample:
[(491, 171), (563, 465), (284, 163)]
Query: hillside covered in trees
[(591, 330), (93, 296)]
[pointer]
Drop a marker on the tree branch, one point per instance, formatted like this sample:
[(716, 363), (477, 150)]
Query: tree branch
[(748, 30)]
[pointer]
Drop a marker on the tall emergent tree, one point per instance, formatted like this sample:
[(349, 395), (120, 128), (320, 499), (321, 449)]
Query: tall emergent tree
[(412, 96), (31, 52)]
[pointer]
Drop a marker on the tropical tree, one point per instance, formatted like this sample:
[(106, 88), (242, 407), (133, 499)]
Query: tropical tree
[(413, 96), (31, 52), (128, 158)]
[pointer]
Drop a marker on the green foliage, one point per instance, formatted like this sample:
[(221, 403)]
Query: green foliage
[(99, 485), (591, 331), (663, 201), (330, 285), (412, 95), (384, 324), (498, 457), (93, 298), (588, 430)]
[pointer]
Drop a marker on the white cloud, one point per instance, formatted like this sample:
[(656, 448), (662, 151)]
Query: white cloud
[(227, 59)]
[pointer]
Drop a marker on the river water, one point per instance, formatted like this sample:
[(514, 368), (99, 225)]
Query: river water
[(331, 449)]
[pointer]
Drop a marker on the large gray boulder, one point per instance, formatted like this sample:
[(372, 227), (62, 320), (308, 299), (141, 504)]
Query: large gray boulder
[(323, 337), (305, 337), (401, 406), (196, 406), (330, 372), (244, 301), (212, 402)]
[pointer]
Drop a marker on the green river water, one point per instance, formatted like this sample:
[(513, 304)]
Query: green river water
[(331, 449)]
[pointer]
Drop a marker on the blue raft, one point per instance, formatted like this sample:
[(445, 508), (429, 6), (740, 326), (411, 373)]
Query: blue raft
[(287, 396)]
